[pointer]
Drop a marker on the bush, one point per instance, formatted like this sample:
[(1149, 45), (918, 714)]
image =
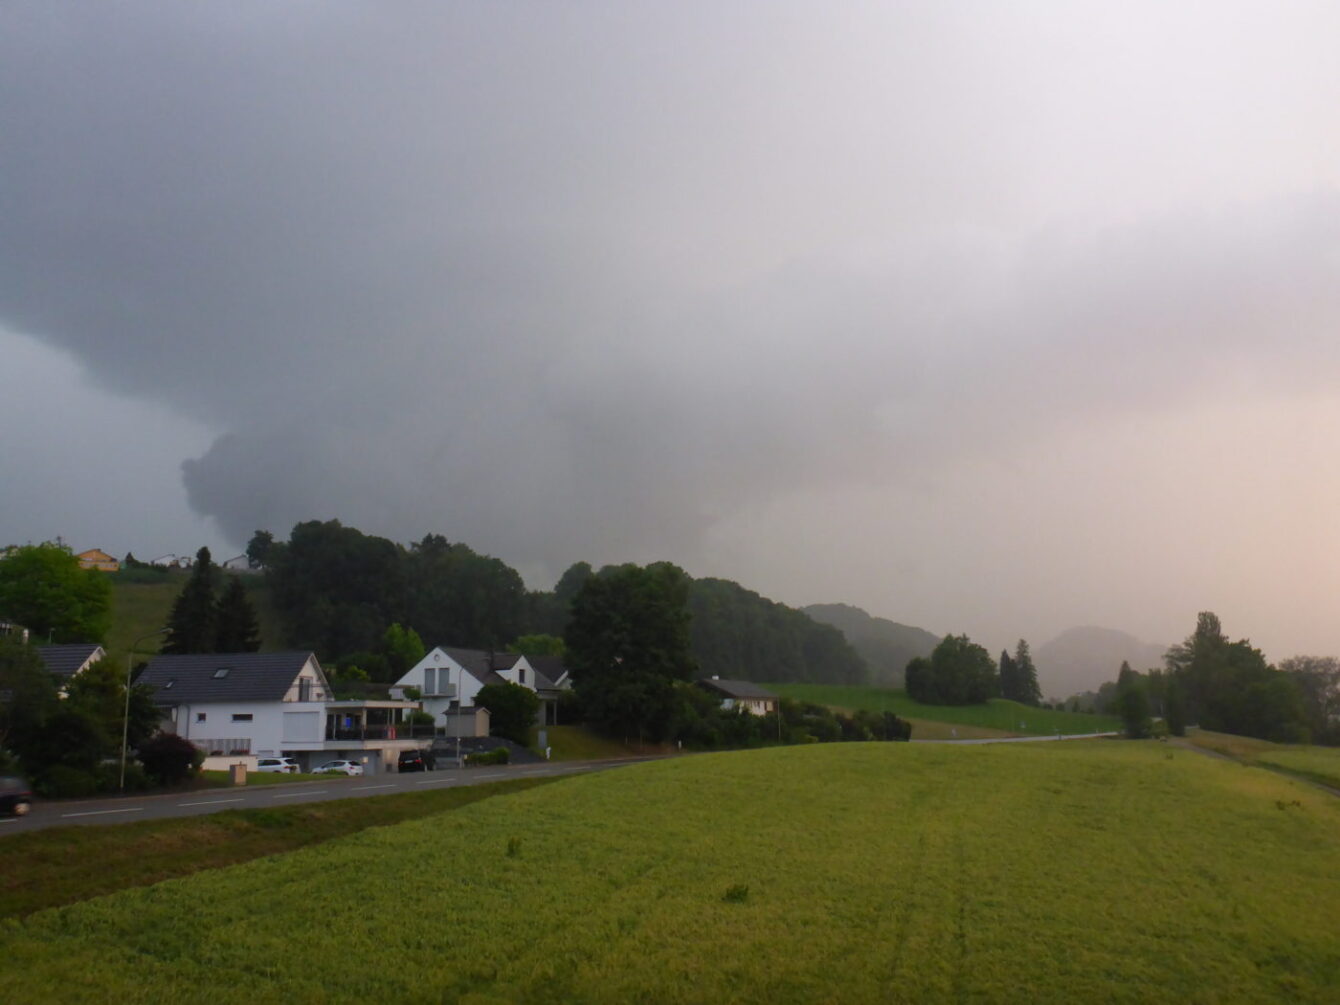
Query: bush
[(499, 756), (169, 759), (63, 782)]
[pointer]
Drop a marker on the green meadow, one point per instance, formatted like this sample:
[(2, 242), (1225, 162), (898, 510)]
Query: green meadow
[(996, 716), (882, 872)]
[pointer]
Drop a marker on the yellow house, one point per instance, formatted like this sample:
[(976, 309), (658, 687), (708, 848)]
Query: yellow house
[(96, 558)]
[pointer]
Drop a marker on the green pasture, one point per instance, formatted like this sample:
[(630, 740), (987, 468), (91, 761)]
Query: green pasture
[(997, 715), (1066, 872), (141, 602), (1318, 764)]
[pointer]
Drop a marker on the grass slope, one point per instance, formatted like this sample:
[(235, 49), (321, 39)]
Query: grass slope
[(68, 864), (1318, 764), (997, 716), (1087, 871), (142, 607)]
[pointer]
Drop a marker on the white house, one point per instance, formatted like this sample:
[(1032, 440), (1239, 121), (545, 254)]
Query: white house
[(449, 678), (240, 705)]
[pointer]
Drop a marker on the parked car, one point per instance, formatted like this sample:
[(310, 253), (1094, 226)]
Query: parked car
[(15, 796), (283, 765), (339, 768), (416, 760)]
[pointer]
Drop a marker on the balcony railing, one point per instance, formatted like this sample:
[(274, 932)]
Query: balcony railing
[(225, 747), (401, 731)]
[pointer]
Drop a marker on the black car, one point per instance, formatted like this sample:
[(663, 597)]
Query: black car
[(15, 796), (416, 760)]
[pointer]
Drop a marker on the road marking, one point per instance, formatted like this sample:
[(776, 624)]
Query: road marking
[(436, 781), (359, 788), (211, 802), (291, 795), (494, 774), (98, 813), (13, 820)]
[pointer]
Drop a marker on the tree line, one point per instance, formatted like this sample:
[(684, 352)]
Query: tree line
[(961, 672)]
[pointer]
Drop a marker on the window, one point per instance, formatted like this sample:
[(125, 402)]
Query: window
[(430, 681), (200, 717), (221, 673), (521, 673), (241, 717), (168, 685)]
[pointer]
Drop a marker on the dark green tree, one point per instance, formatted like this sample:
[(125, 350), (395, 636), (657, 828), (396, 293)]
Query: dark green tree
[(27, 696), (43, 589), (1317, 679), (959, 672), (1133, 703), (1026, 687), (1229, 686), (512, 710), (100, 693), (403, 648), (259, 548), (1009, 685), (237, 627), (538, 645), (627, 643), (193, 621)]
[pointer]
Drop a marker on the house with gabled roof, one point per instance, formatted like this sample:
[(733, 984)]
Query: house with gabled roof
[(741, 694), (96, 558), (64, 661), (449, 678), (238, 705)]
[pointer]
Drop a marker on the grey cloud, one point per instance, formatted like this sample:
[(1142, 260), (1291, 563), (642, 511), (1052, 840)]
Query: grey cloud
[(579, 283)]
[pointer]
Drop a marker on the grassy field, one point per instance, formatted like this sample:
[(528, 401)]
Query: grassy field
[(68, 864), (575, 743), (1319, 764), (1085, 871), (997, 717), (139, 608)]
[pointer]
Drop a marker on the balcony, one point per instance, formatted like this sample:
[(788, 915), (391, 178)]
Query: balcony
[(226, 747), (399, 731)]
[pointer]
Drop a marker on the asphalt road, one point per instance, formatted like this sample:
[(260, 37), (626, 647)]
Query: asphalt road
[(123, 809)]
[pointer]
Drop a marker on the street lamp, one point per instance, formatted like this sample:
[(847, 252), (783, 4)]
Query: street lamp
[(125, 715)]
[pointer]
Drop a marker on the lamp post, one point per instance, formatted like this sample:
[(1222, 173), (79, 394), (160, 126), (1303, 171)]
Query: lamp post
[(125, 715)]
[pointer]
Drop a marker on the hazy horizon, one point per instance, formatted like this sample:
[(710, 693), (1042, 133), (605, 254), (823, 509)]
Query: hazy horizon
[(986, 320)]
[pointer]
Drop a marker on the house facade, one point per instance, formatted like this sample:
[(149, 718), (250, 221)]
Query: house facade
[(741, 694), (96, 558), (240, 706), (449, 678)]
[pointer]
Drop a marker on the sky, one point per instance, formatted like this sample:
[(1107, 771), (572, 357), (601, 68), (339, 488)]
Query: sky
[(987, 318)]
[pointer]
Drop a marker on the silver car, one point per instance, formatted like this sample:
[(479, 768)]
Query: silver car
[(339, 768)]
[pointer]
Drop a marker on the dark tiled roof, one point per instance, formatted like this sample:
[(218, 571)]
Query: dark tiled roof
[(68, 660), (250, 677), (479, 664), (736, 688), (550, 669)]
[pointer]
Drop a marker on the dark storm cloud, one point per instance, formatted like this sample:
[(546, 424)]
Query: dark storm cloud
[(577, 282)]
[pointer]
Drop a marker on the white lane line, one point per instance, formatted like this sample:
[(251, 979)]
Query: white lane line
[(98, 813), (293, 795), (494, 774), (436, 781), (386, 786), (11, 820), (210, 802)]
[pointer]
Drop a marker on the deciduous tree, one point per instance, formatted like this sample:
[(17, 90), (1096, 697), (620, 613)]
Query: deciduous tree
[(43, 589), (512, 710)]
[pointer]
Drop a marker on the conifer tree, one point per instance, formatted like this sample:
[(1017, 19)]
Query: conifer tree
[(193, 622), (1026, 676), (238, 629)]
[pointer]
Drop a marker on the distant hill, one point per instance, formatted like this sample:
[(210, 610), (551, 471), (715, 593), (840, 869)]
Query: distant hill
[(1080, 659), (737, 633), (886, 645)]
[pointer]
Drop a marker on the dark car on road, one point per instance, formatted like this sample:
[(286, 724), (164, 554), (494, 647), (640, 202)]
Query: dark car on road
[(416, 760), (15, 796)]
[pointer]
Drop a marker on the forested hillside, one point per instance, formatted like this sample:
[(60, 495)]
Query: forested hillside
[(885, 645), (737, 633), (337, 590)]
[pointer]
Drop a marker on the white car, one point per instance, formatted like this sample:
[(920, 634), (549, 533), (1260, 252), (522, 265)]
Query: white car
[(339, 768), (282, 765)]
